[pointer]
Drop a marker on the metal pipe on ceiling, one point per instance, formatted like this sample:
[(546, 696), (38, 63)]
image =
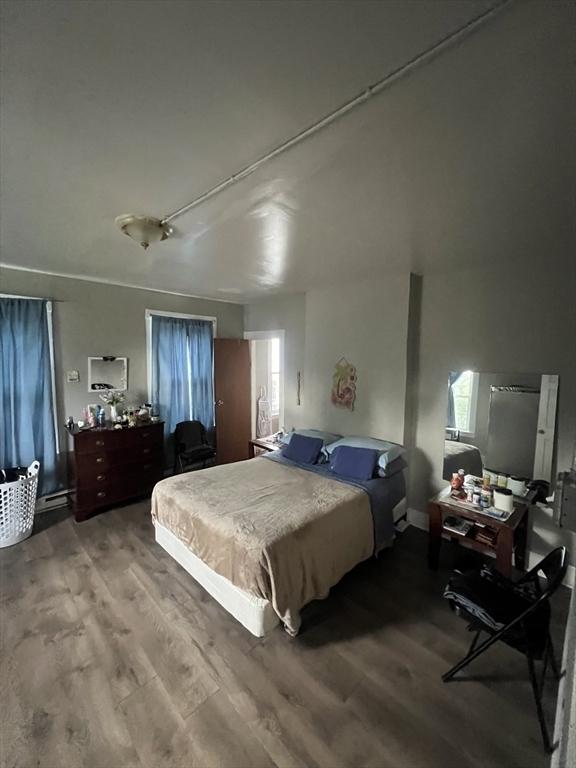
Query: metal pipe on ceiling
[(355, 101)]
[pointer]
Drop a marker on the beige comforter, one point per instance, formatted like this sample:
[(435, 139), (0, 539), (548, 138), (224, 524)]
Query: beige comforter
[(277, 531)]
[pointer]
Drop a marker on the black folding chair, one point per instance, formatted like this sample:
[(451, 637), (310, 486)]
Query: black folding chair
[(191, 445), (516, 612)]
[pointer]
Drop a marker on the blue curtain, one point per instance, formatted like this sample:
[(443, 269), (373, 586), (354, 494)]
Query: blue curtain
[(453, 377), (26, 403), (201, 345), (181, 375)]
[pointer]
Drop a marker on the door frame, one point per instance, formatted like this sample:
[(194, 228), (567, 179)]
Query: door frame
[(265, 336)]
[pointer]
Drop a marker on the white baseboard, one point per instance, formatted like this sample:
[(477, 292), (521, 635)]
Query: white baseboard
[(420, 520)]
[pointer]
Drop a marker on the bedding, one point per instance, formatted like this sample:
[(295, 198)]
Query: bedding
[(392, 467), (461, 456), (281, 531), (383, 496), (326, 437), (358, 463), (303, 449), (387, 451)]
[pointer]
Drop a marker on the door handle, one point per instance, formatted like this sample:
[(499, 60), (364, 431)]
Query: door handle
[(219, 402)]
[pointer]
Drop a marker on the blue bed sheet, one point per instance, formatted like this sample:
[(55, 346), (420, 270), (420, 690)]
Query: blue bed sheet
[(384, 493)]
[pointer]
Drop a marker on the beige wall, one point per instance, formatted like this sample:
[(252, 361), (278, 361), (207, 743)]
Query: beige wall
[(366, 323), (93, 319)]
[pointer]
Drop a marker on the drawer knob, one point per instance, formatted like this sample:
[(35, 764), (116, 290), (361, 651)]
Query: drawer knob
[(145, 434), (99, 442), (101, 477), (146, 450), (101, 494), (99, 460), (147, 466)]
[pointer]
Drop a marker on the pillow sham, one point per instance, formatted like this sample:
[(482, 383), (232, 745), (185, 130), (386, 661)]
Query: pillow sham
[(303, 449), (326, 437), (387, 451), (392, 468), (358, 463)]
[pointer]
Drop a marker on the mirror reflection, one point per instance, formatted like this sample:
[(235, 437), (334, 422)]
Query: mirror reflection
[(107, 373), (500, 422)]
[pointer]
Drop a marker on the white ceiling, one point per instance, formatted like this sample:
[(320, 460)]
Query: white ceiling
[(130, 106)]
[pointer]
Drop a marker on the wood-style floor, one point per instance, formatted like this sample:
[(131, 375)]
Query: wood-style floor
[(112, 656)]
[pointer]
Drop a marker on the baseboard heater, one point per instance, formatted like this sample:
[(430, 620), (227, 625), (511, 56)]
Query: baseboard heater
[(54, 501)]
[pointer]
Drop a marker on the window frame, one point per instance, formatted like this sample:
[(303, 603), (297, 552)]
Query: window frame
[(148, 315), (473, 400), (272, 372)]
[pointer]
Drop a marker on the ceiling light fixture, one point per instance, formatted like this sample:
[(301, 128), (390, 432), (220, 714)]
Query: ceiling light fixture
[(144, 229)]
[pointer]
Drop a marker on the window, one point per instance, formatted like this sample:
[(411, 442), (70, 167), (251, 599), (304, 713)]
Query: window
[(180, 367), (465, 394), (274, 376), (27, 404)]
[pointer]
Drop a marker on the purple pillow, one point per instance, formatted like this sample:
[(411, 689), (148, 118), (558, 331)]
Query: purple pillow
[(303, 449), (358, 463)]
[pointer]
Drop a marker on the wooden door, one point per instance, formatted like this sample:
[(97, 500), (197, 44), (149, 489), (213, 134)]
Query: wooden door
[(232, 397)]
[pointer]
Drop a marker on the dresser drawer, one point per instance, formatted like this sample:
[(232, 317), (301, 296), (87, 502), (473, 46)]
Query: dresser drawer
[(97, 476), (94, 441), (149, 435), (130, 486)]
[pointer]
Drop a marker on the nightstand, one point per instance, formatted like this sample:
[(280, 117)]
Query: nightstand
[(509, 535), (262, 444)]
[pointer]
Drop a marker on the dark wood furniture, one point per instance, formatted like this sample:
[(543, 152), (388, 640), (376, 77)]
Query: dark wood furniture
[(510, 535), (262, 444), (191, 445), (116, 465)]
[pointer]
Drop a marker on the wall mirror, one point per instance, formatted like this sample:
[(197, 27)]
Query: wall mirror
[(504, 422), (107, 373)]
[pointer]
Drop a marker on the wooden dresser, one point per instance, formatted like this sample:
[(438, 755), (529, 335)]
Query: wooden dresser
[(116, 465)]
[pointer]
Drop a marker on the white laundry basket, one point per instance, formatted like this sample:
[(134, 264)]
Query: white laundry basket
[(17, 505)]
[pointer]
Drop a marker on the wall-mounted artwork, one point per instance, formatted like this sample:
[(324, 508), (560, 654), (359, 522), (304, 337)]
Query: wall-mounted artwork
[(344, 384)]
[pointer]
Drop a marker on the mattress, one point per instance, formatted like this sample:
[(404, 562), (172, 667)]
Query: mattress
[(279, 532), (253, 612), (461, 456)]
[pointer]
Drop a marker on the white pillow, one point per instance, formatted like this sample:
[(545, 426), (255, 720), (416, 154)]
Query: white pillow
[(388, 451), (326, 437)]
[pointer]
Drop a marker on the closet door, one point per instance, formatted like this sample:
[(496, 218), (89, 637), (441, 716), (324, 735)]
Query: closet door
[(232, 398)]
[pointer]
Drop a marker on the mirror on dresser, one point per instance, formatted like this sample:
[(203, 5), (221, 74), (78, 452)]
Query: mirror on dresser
[(107, 373), (503, 422)]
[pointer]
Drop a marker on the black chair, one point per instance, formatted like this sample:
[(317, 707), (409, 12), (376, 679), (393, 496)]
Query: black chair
[(191, 445), (516, 612)]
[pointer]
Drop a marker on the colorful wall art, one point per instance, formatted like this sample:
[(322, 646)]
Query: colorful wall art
[(344, 384)]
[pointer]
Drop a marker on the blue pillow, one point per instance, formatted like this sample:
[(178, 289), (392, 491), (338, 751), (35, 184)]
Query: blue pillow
[(358, 463), (303, 449)]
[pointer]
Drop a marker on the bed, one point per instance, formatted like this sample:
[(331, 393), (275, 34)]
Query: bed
[(461, 456), (266, 536)]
